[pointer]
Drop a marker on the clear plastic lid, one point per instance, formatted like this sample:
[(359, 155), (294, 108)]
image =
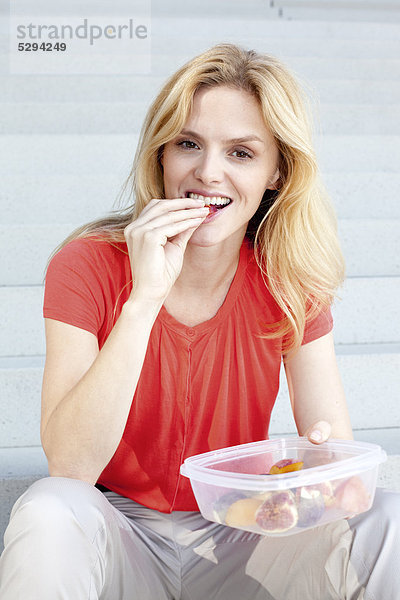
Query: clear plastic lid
[(246, 466)]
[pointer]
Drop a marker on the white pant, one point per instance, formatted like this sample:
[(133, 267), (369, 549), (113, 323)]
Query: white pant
[(67, 540)]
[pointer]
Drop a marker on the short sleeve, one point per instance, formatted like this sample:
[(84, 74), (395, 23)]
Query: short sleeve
[(73, 291), (318, 326)]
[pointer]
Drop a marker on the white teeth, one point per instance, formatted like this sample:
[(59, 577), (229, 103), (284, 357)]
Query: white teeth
[(218, 200)]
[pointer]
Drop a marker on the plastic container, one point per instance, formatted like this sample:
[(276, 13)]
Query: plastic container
[(232, 486)]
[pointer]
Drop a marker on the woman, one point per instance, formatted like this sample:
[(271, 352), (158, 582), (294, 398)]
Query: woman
[(186, 302)]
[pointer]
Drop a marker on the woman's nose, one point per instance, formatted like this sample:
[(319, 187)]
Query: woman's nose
[(209, 168)]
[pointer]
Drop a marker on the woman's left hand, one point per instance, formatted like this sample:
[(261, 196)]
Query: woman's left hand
[(319, 432)]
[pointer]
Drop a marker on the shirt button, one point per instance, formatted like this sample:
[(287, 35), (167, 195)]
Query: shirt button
[(190, 332)]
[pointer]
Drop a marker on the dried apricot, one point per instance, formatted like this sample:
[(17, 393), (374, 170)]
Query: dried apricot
[(286, 465)]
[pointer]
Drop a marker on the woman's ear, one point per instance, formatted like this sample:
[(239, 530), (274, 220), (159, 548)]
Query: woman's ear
[(275, 182)]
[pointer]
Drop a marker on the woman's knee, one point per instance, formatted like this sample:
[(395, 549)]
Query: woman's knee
[(57, 533), (53, 503)]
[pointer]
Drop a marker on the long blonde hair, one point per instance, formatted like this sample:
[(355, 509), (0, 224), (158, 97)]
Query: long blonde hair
[(294, 231)]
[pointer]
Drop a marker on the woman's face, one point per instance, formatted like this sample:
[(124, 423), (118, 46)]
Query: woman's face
[(224, 150)]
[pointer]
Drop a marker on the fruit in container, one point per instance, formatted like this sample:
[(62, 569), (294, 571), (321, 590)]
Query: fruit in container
[(327, 491), (223, 503), (278, 512), (310, 506), (242, 513), (352, 496), (286, 465)]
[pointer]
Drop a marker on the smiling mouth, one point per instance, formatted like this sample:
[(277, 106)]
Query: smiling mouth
[(214, 202)]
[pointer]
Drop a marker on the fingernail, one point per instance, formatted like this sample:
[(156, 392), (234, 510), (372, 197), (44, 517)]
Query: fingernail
[(316, 436)]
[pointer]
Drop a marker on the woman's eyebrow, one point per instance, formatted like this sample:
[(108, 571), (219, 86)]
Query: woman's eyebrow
[(247, 138)]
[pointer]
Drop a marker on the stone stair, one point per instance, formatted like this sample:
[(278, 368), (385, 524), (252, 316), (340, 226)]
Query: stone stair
[(67, 143)]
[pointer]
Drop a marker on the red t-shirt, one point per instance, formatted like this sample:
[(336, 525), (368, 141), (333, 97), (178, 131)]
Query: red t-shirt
[(201, 388)]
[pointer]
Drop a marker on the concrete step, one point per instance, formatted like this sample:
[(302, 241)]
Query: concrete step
[(165, 22), (24, 461), (368, 311), (388, 438), (295, 46), (72, 118), (352, 153), (210, 23), (67, 155), (371, 195), (62, 197), (199, 8), (20, 399), (376, 5), (367, 314), (145, 87), (304, 67), (127, 117), (371, 249), (358, 119), (344, 91), (379, 12), (124, 8), (370, 379), (389, 474)]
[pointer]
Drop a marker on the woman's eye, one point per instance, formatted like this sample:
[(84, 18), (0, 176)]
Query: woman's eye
[(186, 144), (243, 153)]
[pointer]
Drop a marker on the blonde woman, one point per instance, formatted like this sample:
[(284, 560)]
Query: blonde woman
[(165, 326)]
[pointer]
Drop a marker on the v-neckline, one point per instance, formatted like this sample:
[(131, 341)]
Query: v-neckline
[(246, 251)]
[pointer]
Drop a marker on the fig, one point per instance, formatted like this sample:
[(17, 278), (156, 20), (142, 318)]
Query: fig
[(310, 506), (278, 512), (286, 465), (221, 506), (352, 496), (242, 513), (327, 491)]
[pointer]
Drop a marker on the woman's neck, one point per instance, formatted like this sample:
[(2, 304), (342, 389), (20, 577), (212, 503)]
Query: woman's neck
[(202, 285), (206, 270)]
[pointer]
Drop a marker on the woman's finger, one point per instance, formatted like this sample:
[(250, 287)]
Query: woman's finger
[(319, 432), (160, 235), (159, 206), (174, 216), (150, 222)]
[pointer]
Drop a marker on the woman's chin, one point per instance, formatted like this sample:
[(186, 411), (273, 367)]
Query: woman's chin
[(206, 236), (203, 238)]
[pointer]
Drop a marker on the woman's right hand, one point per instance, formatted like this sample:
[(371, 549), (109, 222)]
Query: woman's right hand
[(157, 241)]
